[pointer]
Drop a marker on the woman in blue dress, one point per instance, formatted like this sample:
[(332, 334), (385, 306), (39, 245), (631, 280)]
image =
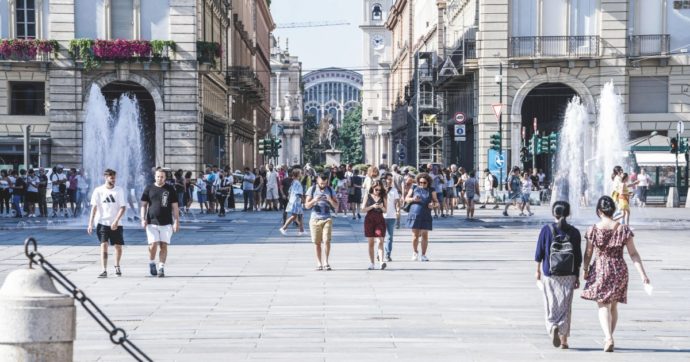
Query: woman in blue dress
[(295, 205), (423, 199)]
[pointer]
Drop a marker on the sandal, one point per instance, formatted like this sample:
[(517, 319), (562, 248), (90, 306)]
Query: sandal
[(328, 267)]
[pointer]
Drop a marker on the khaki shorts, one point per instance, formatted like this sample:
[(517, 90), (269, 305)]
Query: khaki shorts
[(321, 230)]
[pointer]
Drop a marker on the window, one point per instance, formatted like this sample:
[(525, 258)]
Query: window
[(122, 19), (648, 95), (426, 95), (376, 13), (26, 19), (27, 98)]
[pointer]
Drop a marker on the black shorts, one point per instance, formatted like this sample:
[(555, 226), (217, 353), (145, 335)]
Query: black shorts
[(106, 234), (31, 197)]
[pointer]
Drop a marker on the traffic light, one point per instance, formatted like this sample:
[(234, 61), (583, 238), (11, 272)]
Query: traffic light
[(496, 141), (553, 142), (537, 146), (674, 145), (525, 155), (683, 145), (262, 146), (544, 145), (278, 144)]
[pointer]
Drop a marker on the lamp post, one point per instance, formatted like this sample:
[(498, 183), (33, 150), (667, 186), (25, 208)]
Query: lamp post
[(499, 81), (27, 144)]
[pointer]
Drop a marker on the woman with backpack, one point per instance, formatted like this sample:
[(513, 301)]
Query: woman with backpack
[(559, 257), (606, 279)]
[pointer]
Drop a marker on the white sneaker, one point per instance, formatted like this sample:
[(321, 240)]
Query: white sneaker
[(300, 233), (423, 258), (415, 257), (371, 267), (283, 231)]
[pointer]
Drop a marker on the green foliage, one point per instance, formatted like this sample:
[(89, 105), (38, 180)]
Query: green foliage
[(362, 168), (310, 142), (83, 49), (350, 141), (158, 46)]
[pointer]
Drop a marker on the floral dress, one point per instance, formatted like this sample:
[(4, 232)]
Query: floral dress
[(607, 280), (294, 205)]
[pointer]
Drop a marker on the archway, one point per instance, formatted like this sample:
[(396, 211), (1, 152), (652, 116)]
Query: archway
[(147, 111), (547, 103)]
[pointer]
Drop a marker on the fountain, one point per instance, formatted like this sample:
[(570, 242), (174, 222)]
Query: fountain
[(112, 139), (609, 150)]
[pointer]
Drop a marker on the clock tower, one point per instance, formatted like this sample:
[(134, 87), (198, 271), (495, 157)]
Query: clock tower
[(376, 114)]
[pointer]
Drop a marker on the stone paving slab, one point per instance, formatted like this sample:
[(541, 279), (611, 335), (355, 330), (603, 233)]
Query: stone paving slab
[(235, 289)]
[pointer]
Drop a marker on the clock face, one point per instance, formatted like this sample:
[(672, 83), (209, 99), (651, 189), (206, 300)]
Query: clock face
[(377, 41)]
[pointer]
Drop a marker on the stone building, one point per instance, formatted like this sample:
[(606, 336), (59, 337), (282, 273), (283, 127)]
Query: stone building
[(376, 114), (541, 53), (331, 91), (181, 77), (286, 103)]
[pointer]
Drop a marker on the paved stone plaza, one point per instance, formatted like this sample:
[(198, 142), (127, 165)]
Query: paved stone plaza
[(235, 289)]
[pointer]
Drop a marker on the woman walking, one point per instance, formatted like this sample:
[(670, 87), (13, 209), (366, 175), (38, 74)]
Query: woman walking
[(423, 199), (643, 183), (526, 190), (449, 191), (355, 196), (606, 279), (341, 188), (623, 192), (295, 205), (558, 286), (472, 194), (374, 224)]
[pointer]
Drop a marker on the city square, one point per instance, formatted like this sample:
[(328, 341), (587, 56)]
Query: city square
[(330, 180)]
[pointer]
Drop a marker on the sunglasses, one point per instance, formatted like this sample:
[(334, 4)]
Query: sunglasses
[(422, 182), (377, 189)]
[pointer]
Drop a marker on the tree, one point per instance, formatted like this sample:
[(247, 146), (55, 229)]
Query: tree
[(350, 141), (310, 143)]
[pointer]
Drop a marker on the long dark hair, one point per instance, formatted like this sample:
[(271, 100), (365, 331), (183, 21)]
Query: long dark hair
[(616, 170), (378, 183), (606, 206), (561, 210)]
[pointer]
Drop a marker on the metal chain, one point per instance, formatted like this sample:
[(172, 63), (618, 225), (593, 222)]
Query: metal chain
[(117, 335)]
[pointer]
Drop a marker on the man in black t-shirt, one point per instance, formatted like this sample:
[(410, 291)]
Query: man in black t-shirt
[(18, 192), (160, 216), (285, 194)]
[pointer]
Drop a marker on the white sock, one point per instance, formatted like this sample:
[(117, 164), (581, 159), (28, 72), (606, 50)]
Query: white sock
[(160, 265)]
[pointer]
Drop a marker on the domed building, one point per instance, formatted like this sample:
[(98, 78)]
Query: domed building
[(333, 91)]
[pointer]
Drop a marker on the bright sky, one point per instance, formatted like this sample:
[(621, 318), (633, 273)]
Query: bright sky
[(321, 47)]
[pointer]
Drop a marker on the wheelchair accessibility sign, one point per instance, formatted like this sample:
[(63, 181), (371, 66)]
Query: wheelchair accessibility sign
[(459, 133)]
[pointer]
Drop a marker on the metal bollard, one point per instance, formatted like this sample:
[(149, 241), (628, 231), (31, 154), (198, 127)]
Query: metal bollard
[(37, 323)]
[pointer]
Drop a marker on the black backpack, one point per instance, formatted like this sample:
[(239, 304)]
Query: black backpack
[(494, 181), (561, 254)]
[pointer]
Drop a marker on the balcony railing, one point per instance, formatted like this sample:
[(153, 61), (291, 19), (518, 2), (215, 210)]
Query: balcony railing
[(575, 46), (648, 45), (245, 81), (92, 52)]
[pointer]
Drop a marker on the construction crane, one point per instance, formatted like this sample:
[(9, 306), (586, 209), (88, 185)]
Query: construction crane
[(312, 24)]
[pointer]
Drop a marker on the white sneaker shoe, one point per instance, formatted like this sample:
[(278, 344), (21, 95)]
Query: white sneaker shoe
[(371, 267), (283, 231), (423, 258), (415, 257)]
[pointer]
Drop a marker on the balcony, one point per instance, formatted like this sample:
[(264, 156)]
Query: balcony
[(576, 46), (24, 50), (648, 45), (208, 52), (244, 81), (91, 53)]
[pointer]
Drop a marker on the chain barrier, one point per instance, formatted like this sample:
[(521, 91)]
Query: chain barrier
[(117, 335)]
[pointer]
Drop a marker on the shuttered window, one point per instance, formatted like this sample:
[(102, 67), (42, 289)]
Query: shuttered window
[(648, 95), (122, 19)]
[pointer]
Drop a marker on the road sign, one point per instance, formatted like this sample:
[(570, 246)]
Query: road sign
[(498, 108), (460, 132), (459, 118), (497, 163), (680, 127)]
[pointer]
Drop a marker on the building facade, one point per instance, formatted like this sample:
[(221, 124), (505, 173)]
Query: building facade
[(333, 91), (522, 54), (376, 113), (286, 104), (172, 54)]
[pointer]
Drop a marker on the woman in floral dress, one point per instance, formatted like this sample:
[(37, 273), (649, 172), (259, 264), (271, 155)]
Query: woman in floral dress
[(606, 279)]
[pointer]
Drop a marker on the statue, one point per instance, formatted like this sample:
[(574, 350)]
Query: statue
[(328, 132)]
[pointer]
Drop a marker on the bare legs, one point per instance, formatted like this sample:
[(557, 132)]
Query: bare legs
[(608, 317), (163, 255), (292, 219), (372, 244), (319, 252)]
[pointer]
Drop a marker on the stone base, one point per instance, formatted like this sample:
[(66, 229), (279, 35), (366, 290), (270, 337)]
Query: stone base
[(333, 157), (673, 199)]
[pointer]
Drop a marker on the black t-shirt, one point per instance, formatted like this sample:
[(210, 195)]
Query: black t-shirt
[(42, 182), (286, 184), (19, 182), (160, 201)]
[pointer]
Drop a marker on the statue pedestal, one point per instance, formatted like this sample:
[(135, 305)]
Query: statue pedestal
[(333, 157)]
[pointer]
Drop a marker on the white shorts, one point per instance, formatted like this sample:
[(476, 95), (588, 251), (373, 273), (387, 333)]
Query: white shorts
[(156, 233), (272, 193)]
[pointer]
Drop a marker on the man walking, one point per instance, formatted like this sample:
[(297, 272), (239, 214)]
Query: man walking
[(514, 189), (160, 217), (321, 198), (272, 194), (490, 184), (109, 203)]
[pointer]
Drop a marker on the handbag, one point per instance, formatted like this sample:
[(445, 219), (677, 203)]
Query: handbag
[(406, 207)]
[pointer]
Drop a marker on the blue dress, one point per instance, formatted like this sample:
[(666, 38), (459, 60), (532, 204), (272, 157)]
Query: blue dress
[(294, 205), (419, 216)]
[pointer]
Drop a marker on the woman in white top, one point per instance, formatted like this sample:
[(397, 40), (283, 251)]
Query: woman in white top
[(526, 189), (82, 192), (372, 175), (643, 183)]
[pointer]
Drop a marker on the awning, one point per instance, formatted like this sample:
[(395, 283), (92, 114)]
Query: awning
[(660, 159)]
